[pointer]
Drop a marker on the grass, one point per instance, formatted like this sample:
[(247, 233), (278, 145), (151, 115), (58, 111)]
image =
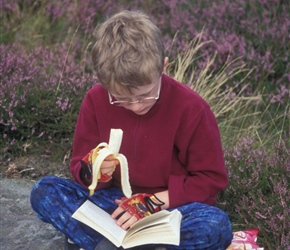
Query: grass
[(45, 72), (256, 146)]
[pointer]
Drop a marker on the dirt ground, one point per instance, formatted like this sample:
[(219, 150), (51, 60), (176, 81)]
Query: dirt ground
[(33, 167)]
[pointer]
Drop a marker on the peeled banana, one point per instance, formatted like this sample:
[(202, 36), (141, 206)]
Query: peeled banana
[(102, 151)]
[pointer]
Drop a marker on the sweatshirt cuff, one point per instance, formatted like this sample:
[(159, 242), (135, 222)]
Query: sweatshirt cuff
[(78, 179), (178, 196), (176, 191)]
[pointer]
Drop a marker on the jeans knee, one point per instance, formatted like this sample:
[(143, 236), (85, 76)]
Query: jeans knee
[(39, 191), (225, 229)]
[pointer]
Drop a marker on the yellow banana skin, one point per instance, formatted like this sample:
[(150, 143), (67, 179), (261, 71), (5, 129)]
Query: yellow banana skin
[(101, 152)]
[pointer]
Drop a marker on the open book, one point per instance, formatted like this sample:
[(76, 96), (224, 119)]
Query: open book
[(160, 228)]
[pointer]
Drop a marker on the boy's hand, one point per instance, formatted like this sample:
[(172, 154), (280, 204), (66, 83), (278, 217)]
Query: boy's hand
[(135, 208), (106, 170)]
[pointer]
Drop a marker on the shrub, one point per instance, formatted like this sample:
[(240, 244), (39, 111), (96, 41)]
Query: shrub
[(258, 191), (40, 95), (255, 31), (45, 72)]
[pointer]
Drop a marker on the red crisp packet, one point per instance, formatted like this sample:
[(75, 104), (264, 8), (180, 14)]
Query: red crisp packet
[(245, 240)]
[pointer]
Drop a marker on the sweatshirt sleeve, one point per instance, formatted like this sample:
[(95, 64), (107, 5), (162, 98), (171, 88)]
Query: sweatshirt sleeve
[(86, 138), (199, 149)]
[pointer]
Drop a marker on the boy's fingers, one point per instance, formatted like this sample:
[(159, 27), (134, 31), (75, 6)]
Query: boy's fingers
[(123, 218), (117, 201), (107, 172), (129, 223), (110, 164), (117, 212), (110, 158)]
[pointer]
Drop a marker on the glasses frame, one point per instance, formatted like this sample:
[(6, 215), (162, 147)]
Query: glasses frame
[(141, 100)]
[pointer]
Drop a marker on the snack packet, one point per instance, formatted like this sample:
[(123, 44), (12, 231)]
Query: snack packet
[(245, 240)]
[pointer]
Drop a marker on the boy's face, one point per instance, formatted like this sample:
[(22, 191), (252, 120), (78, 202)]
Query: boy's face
[(141, 100)]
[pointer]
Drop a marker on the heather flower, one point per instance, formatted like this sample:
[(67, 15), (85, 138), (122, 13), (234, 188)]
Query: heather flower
[(45, 71), (256, 31), (259, 182), (38, 91)]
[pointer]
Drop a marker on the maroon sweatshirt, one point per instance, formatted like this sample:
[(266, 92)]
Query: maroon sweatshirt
[(176, 146)]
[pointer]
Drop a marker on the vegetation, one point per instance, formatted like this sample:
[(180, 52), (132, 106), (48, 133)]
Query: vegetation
[(235, 53)]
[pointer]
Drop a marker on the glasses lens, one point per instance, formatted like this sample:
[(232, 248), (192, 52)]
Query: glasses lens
[(147, 100), (116, 102), (121, 104)]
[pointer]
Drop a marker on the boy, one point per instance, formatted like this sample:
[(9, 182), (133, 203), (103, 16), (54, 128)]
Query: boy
[(171, 141)]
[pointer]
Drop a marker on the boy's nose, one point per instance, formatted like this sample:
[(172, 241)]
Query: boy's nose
[(135, 107)]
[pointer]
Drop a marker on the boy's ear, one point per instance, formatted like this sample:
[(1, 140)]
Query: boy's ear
[(166, 61)]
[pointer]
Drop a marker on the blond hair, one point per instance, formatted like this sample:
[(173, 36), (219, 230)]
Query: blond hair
[(128, 51)]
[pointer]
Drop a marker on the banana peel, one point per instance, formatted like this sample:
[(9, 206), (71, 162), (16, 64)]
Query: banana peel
[(101, 152)]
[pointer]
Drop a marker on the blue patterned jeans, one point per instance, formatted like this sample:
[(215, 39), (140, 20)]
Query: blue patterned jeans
[(55, 199)]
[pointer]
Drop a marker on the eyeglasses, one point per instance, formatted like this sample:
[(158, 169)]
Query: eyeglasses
[(127, 102)]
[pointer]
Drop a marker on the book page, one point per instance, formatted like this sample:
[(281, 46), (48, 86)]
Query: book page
[(152, 229), (101, 221), (156, 218), (163, 231)]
